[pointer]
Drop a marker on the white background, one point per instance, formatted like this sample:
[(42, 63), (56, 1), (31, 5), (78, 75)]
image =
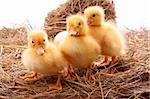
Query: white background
[(130, 13)]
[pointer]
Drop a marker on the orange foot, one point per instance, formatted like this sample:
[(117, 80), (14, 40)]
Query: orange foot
[(111, 70), (69, 74), (69, 77), (54, 87), (105, 60), (33, 76), (113, 60), (58, 85)]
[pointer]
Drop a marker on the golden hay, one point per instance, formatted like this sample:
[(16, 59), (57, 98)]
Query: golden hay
[(55, 20), (18, 36), (131, 79)]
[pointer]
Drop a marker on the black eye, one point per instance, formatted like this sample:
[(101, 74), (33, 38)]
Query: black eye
[(94, 15), (79, 23), (44, 40), (32, 41)]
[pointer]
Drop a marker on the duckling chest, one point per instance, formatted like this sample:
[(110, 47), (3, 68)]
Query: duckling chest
[(81, 52), (97, 33), (44, 65)]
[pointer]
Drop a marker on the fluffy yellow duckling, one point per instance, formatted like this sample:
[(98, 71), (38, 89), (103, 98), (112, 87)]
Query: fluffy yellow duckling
[(44, 57), (107, 35), (78, 47)]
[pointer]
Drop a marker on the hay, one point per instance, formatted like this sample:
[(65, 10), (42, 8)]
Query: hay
[(131, 79), (55, 20), (17, 35)]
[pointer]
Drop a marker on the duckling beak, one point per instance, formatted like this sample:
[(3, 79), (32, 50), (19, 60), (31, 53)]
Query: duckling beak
[(89, 21), (40, 50), (74, 33)]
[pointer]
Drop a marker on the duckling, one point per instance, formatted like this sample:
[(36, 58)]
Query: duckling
[(78, 47), (59, 37), (42, 56), (112, 42)]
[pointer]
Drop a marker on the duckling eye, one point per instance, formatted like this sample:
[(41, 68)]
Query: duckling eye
[(79, 23), (94, 15), (44, 40), (32, 42)]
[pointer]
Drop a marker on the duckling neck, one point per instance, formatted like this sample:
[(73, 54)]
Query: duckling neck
[(96, 25), (80, 35)]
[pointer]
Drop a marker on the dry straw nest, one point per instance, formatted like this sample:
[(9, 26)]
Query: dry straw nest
[(131, 79), (55, 21)]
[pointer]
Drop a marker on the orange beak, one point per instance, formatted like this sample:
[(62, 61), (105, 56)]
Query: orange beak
[(40, 50), (74, 33), (89, 21)]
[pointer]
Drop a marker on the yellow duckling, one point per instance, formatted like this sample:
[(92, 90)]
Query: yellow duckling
[(43, 57), (112, 42), (78, 47)]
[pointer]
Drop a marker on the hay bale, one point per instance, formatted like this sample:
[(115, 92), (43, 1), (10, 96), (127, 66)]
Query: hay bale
[(14, 36), (55, 20)]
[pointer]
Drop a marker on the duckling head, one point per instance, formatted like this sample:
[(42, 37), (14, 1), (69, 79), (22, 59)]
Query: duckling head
[(94, 15), (38, 41), (76, 25)]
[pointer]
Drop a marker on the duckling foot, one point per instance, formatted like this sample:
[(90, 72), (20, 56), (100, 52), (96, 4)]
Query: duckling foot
[(105, 60), (33, 76), (69, 74), (112, 70), (69, 77), (113, 60), (55, 87), (58, 85)]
